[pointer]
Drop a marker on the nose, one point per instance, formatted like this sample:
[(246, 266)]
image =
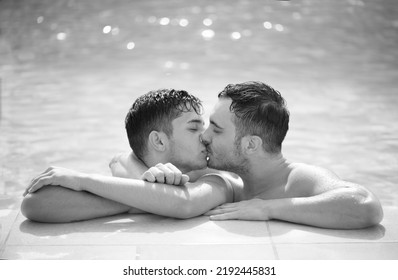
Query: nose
[(204, 138)]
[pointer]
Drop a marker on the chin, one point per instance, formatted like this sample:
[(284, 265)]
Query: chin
[(201, 165), (211, 164)]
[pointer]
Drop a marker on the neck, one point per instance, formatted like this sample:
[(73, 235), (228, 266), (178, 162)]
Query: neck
[(264, 173), (153, 159)]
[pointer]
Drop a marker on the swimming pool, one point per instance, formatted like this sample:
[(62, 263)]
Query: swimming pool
[(71, 69)]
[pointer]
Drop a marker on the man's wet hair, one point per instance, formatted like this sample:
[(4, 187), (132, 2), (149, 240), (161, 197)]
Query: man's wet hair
[(155, 111), (259, 110)]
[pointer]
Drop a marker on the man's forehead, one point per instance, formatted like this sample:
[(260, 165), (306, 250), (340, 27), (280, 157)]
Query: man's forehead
[(222, 116), (189, 117), (221, 108)]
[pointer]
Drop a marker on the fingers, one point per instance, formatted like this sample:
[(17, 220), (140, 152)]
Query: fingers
[(35, 180), (172, 175), (175, 174), (42, 181), (218, 210), (165, 173), (184, 179), (225, 216), (148, 176), (213, 212)]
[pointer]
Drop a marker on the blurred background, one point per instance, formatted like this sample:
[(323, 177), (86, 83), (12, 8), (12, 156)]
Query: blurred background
[(70, 70)]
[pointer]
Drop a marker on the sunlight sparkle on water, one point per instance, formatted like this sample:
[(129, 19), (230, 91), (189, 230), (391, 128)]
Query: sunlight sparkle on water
[(40, 19), (207, 22), (130, 45), (164, 21), (236, 36), (61, 36), (106, 29), (208, 34), (183, 22), (267, 25)]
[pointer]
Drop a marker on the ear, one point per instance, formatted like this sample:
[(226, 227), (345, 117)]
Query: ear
[(158, 140), (252, 144)]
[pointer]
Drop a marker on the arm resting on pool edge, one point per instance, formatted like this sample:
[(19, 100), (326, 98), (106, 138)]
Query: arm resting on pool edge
[(186, 201), (313, 196), (190, 200), (56, 204)]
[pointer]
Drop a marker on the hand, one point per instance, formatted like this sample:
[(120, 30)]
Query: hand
[(55, 176), (253, 209), (165, 173)]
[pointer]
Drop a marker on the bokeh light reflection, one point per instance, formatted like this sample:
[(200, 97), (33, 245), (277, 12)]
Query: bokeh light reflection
[(208, 34)]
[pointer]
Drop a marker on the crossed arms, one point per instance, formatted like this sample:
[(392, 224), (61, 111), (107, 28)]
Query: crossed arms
[(330, 203), (65, 195)]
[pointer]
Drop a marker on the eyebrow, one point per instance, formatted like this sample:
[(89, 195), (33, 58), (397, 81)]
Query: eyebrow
[(196, 121), (215, 124)]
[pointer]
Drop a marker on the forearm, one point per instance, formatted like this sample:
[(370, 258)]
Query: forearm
[(339, 209), (168, 200), (55, 204)]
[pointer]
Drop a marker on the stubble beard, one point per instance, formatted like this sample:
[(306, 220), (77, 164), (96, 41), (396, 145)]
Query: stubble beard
[(237, 163)]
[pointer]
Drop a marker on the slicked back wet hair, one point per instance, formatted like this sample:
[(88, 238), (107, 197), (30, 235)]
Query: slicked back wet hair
[(155, 111), (259, 110)]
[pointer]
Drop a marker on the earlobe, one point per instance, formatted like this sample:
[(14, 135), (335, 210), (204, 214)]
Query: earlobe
[(157, 140)]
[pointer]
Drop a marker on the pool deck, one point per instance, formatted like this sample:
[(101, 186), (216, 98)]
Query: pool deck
[(151, 237)]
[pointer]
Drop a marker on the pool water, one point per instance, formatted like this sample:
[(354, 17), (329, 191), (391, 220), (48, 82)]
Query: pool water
[(71, 69)]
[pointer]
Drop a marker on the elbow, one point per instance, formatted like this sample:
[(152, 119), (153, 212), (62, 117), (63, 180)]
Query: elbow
[(371, 212), (42, 206), (32, 208)]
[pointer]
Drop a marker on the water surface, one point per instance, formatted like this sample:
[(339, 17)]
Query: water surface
[(71, 69)]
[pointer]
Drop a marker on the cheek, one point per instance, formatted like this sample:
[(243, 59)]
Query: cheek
[(189, 145), (222, 146)]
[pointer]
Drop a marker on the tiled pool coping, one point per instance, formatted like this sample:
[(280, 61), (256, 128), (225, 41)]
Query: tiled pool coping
[(151, 237)]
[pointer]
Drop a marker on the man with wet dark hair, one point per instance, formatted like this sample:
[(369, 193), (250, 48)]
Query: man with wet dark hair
[(163, 128), (155, 111)]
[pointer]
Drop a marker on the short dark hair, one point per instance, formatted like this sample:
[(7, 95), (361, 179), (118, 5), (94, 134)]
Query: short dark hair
[(155, 111), (259, 110)]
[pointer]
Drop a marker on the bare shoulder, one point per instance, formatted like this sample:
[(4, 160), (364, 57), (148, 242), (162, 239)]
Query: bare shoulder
[(307, 171), (305, 179), (231, 181), (127, 165)]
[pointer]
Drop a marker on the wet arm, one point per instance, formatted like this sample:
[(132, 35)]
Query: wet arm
[(57, 204), (347, 207), (186, 201), (313, 196)]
